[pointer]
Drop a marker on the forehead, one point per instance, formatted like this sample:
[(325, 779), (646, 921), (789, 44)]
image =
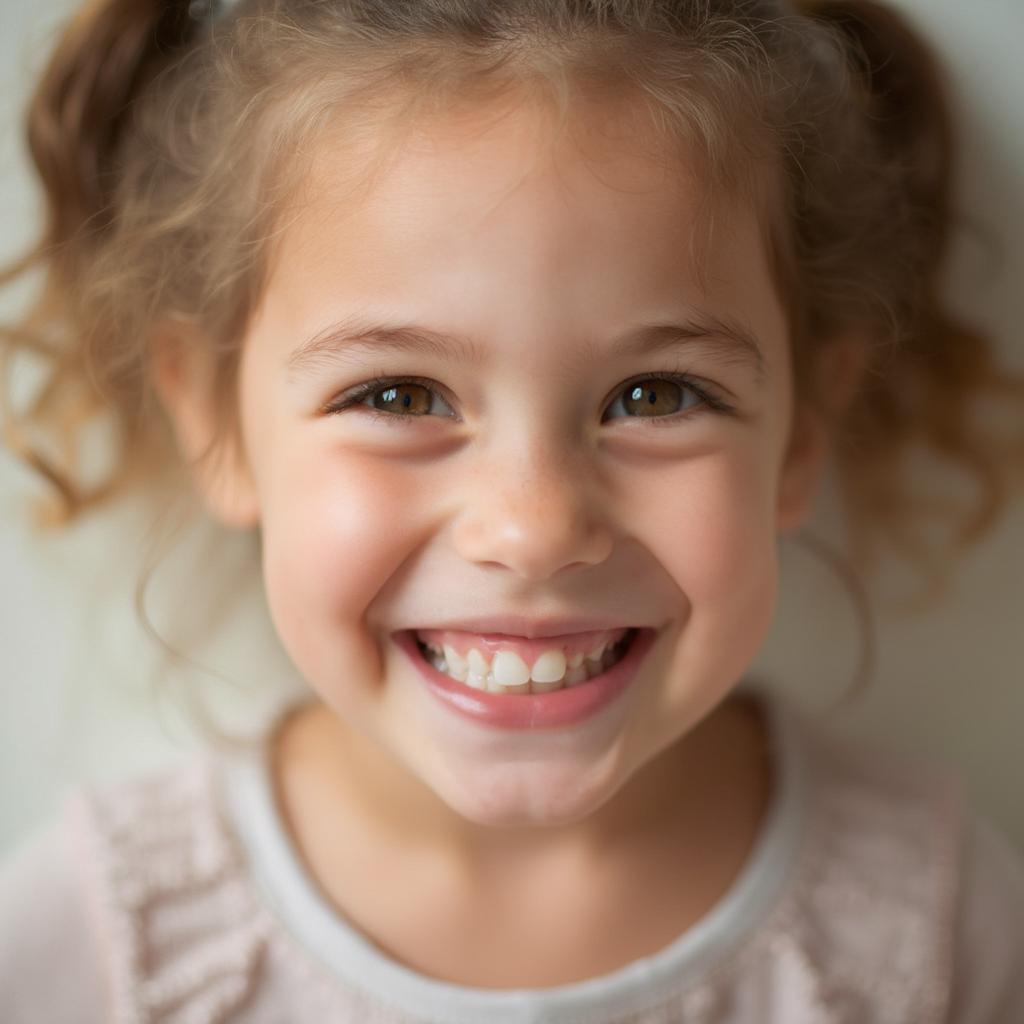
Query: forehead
[(504, 203)]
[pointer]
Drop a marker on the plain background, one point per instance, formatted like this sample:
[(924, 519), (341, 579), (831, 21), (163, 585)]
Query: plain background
[(76, 670)]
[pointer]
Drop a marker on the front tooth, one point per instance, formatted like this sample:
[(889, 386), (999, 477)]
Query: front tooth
[(508, 673), (510, 670), (549, 667)]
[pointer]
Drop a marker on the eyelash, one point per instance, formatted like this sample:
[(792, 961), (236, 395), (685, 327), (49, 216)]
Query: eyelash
[(709, 401)]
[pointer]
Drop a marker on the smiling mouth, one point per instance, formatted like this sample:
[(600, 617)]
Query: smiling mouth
[(505, 672)]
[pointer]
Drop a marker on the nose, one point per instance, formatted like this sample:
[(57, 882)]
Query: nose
[(533, 513)]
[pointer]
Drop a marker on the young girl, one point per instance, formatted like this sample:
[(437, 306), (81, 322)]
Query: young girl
[(518, 334)]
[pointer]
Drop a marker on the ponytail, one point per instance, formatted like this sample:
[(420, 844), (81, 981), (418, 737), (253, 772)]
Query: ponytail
[(79, 110), (75, 121), (939, 367)]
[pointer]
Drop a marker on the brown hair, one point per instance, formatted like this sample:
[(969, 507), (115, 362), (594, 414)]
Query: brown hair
[(168, 148)]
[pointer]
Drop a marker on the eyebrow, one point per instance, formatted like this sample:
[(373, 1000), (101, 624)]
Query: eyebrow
[(726, 338)]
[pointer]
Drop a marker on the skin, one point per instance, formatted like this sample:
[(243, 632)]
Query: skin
[(513, 495)]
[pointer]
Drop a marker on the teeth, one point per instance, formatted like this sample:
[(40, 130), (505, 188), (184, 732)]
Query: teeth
[(478, 682), (478, 663), (457, 666), (579, 674), (548, 668), (509, 673)]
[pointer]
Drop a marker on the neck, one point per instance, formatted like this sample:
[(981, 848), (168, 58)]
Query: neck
[(338, 788)]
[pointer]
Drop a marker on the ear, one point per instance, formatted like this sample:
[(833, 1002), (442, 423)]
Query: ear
[(183, 377), (839, 370)]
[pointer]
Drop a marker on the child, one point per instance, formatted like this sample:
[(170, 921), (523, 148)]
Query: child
[(398, 274)]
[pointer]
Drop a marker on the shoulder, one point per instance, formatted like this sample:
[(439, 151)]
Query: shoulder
[(988, 968), (163, 916), (905, 903), (884, 835), (48, 929), (862, 929)]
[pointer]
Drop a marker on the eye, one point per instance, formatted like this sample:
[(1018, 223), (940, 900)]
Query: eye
[(656, 398), (400, 398), (666, 394)]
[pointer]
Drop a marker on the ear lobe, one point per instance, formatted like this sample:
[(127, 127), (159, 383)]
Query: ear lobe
[(183, 382), (841, 368), (802, 470)]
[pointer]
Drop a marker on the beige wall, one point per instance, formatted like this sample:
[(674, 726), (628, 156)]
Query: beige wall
[(949, 682)]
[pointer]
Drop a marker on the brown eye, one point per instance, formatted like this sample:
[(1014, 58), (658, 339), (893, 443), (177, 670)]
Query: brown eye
[(390, 400), (657, 398), (653, 397), (403, 398)]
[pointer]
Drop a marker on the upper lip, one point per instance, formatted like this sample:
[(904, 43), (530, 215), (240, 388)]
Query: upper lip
[(518, 625)]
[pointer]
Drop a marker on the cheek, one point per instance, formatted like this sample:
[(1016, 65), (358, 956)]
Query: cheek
[(715, 530), (717, 545), (332, 539)]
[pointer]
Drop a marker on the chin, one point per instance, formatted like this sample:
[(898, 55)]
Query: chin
[(527, 796)]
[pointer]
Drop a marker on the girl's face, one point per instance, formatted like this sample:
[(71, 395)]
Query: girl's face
[(526, 481)]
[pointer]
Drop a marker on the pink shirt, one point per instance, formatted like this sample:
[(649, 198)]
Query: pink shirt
[(873, 896)]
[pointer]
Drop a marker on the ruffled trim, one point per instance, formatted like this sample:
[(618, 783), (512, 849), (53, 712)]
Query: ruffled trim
[(185, 933)]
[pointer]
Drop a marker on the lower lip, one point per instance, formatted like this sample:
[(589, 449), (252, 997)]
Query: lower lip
[(567, 706)]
